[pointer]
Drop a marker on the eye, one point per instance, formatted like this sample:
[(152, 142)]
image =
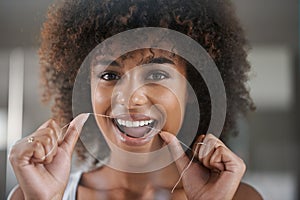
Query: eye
[(157, 75), (109, 76)]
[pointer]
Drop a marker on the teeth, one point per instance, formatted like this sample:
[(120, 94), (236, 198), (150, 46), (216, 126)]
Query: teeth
[(135, 124), (131, 124), (120, 121), (128, 124)]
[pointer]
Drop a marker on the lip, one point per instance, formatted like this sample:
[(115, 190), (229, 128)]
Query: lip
[(129, 139)]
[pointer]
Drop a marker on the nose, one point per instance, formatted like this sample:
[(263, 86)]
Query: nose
[(138, 98), (131, 95)]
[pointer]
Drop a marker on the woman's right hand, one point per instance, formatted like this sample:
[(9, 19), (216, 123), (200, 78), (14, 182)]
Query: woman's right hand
[(42, 161)]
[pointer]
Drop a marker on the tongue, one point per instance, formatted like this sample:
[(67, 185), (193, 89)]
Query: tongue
[(136, 132)]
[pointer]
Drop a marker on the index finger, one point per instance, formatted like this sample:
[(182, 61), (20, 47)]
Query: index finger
[(57, 131)]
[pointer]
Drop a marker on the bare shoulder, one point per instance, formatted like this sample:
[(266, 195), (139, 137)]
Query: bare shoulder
[(16, 193), (246, 192)]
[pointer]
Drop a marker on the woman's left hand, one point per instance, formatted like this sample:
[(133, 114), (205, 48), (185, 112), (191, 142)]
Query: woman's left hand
[(216, 177)]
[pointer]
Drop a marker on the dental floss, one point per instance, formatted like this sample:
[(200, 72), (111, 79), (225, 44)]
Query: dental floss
[(181, 175), (189, 164), (66, 125), (187, 167)]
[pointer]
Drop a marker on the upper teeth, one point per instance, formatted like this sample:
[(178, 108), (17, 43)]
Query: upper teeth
[(134, 123)]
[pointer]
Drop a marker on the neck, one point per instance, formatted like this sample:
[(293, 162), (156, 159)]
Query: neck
[(107, 178), (139, 182), (136, 172)]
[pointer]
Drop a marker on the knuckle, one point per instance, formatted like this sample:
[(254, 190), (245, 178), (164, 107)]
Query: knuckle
[(50, 121), (206, 162), (15, 155), (48, 140), (37, 145), (243, 165), (211, 137), (50, 131), (12, 154), (14, 149), (220, 150), (54, 123)]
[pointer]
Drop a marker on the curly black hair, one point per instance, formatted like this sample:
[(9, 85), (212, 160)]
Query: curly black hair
[(75, 27)]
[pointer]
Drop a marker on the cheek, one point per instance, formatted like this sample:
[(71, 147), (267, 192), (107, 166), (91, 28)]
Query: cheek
[(101, 99), (174, 108)]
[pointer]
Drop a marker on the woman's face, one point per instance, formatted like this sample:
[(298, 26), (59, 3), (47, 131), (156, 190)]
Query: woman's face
[(142, 92)]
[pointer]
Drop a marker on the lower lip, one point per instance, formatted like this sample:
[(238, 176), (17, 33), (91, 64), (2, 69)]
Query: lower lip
[(130, 140)]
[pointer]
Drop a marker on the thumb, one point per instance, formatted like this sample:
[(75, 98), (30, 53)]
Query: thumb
[(179, 156), (194, 176), (73, 132)]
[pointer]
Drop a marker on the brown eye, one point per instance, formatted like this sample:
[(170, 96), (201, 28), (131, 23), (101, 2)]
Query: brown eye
[(109, 76), (157, 75)]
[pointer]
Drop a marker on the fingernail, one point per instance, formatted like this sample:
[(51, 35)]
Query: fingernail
[(79, 120), (82, 118)]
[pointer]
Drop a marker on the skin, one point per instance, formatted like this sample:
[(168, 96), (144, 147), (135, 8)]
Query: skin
[(216, 173), (142, 91)]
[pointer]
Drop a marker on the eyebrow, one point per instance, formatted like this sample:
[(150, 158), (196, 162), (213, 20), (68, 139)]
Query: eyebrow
[(158, 60), (161, 60), (106, 63)]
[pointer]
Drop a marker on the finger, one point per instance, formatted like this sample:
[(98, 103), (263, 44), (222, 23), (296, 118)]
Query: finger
[(207, 149), (216, 161), (73, 132), (22, 153), (197, 144), (57, 132), (41, 150), (210, 142), (194, 176), (227, 179), (50, 146), (231, 168), (40, 144), (38, 151), (181, 159), (225, 160), (49, 138), (220, 156), (176, 150), (205, 160)]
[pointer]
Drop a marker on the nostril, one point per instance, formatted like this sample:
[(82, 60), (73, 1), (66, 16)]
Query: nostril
[(118, 97), (133, 96)]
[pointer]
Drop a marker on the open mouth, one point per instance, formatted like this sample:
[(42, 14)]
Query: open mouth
[(135, 128)]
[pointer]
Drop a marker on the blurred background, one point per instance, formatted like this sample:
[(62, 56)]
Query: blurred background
[(269, 138)]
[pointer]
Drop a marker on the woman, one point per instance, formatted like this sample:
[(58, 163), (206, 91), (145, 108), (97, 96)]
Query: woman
[(130, 104)]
